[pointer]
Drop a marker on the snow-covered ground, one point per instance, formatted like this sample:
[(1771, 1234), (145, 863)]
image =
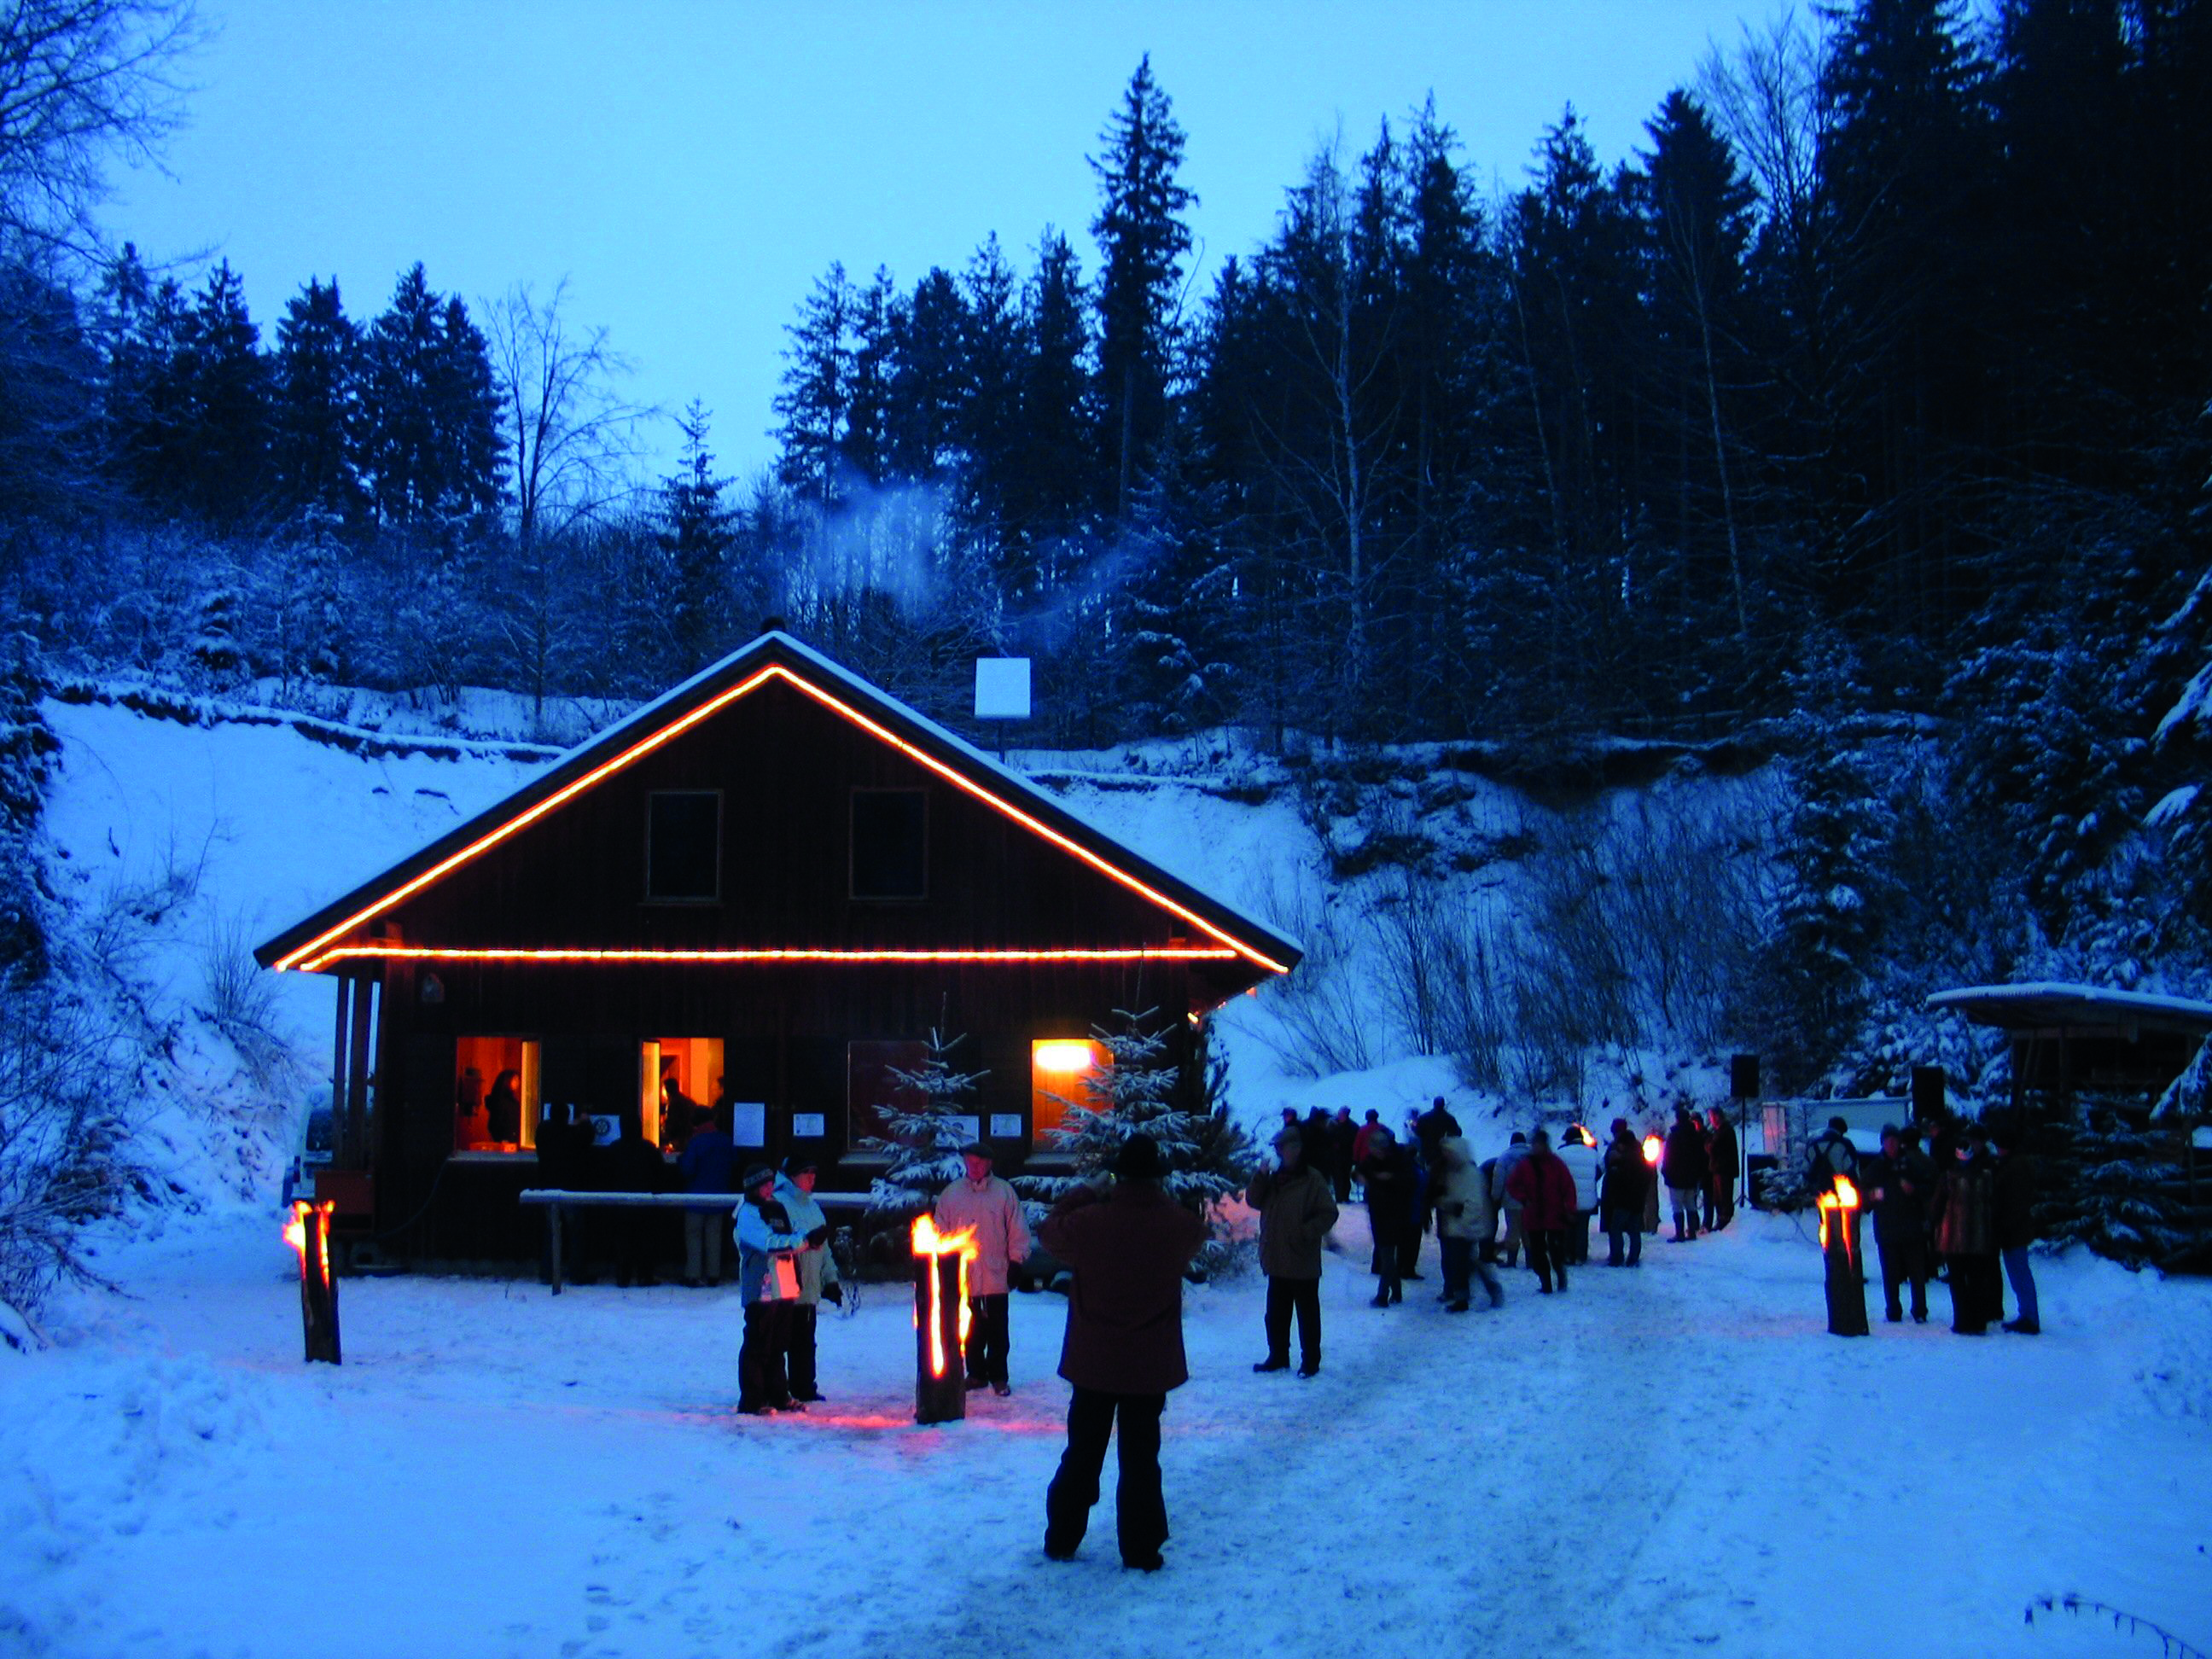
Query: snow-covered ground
[(1675, 1460)]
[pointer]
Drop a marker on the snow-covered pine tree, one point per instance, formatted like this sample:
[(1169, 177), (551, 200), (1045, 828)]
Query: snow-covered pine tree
[(2114, 1185), (1142, 1089), (925, 1141)]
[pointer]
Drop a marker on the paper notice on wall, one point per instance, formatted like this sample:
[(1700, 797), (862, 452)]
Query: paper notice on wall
[(749, 1123), (971, 1127), (1006, 1126), (809, 1126)]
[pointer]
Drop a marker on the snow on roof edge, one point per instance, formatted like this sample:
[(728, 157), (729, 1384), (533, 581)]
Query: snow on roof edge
[(2139, 1001)]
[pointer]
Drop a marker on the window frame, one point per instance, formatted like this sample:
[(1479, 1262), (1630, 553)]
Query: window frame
[(690, 900)]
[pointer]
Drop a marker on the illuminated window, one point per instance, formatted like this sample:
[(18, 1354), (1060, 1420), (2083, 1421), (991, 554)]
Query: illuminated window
[(891, 844), (1063, 1071), (870, 1087), (683, 847), (679, 1080), (495, 1096)]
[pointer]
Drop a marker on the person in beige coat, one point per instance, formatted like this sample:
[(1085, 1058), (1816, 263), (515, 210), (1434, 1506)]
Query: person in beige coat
[(982, 1200), (1296, 1210)]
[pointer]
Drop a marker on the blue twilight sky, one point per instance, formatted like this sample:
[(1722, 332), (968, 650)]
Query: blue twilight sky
[(692, 167)]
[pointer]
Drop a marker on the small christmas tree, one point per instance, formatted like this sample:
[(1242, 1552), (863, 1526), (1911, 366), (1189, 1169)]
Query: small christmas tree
[(925, 1139), (1143, 1091)]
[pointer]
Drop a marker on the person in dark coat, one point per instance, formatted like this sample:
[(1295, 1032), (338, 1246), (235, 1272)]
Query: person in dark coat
[(1544, 1190), (1720, 1180), (2015, 1225), (1429, 1130), (633, 1164), (1966, 1235), (709, 1164), (504, 1109), (1831, 1154), (1685, 1166), (1342, 1132), (1364, 1136), (1623, 1188), (1296, 1212), (568, 1161), (1128, 1246), (1898, 1186), (1386, 1174)]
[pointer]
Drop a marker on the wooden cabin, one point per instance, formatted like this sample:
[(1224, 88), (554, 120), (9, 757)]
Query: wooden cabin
[(764, 891)]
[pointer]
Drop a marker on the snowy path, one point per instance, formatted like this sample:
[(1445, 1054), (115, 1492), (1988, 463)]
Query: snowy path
[(1676, 1461)]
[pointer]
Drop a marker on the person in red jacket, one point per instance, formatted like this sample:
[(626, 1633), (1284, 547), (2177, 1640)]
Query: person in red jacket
[(1127, 1245), (1545, 1191)]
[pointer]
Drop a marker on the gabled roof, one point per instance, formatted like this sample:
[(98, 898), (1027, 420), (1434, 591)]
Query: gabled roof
[(777, 656)]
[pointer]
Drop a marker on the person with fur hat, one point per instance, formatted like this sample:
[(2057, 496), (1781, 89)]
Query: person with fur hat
[(981, 1199), (817, 1274), (1128, 1243), (1296, 1210), (768, 1276)]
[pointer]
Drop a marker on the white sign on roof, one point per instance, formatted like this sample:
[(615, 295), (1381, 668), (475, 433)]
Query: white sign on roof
[(1002, 688)]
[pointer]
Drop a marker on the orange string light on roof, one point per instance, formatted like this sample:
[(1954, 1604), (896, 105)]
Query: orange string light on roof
[(314, 948), (765, 953)]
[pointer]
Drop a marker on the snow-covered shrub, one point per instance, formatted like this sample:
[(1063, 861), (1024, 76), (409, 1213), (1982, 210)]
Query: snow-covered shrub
[(241, 999), (62, 1139)]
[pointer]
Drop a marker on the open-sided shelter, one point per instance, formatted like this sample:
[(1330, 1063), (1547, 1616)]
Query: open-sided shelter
[(764, 889)]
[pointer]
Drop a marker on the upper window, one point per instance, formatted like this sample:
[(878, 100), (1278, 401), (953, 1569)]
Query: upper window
[(890, 858), (683, 846)]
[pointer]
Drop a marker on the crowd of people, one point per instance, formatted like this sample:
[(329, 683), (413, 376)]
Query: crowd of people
[(1950, 1200), (1534, 1198)]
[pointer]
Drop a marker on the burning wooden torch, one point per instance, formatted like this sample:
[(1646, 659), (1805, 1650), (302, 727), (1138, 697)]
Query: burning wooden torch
[(1846, 1265), (308, 1233), (940, 1321)]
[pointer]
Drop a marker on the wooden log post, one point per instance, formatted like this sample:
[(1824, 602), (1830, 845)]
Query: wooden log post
[(1843, 1253), (310, 1234), (941, 1370)]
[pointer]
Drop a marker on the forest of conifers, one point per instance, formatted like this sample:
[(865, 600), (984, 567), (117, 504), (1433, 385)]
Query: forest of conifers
[(1873, 382)]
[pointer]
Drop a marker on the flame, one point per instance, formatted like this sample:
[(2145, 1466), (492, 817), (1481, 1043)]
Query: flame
[(928, 1241), (1652, 1147), (1844, 1197), (296, 1234)]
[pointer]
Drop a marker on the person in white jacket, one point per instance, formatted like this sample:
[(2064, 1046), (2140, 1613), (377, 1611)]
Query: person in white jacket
[(1579, 1153), (817, 1274), (982, 1200)]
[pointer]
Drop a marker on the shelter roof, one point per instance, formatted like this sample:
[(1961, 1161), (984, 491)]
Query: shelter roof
[(2052, 1006)]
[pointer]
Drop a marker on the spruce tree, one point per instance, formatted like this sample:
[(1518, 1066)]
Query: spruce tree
[(224, 383), (695, 535), (315, 415), (928, 337), (2114, 1183), (1142, 239), (1142, 1089), (814, 407), (924, 1143)]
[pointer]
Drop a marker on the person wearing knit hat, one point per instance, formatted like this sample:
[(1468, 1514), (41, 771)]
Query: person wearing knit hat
[(768, 1276), (817, 1275), (1126, 1245)]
